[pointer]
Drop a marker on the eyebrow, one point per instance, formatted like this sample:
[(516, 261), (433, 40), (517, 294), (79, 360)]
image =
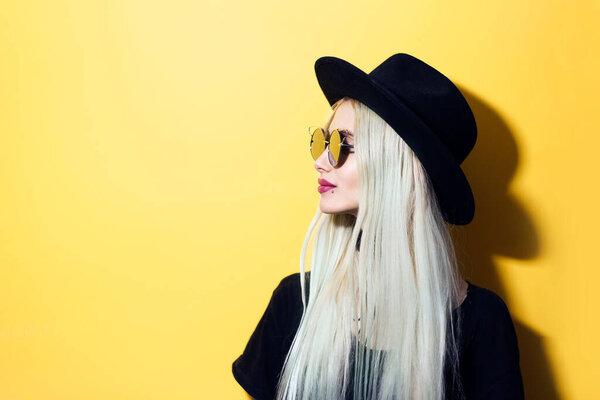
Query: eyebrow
[(348, 131)]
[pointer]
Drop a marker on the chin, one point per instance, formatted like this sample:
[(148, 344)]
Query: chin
[(328, 209)]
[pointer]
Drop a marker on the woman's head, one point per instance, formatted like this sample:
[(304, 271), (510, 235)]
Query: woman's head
[(381, 170)]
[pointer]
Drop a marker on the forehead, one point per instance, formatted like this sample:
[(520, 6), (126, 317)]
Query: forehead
[(343, 118)]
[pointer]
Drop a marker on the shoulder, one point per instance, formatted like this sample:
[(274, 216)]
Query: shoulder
[(286, 303), (489, 321), (290, 286), (491, 364), (289, 281), (293, 279), (486, 306)]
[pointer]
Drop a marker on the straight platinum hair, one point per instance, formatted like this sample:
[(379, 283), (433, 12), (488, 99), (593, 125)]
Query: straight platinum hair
[(378, 323)]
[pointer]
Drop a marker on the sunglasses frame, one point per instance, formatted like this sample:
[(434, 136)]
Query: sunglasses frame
[(343, 133)]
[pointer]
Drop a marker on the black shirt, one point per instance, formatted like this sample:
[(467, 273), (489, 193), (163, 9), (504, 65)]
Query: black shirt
[(488, 349)]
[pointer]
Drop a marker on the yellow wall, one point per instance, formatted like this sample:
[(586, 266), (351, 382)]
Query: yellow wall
[(156, 182)]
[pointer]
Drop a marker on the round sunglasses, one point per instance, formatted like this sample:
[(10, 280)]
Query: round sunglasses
[(321, 140)]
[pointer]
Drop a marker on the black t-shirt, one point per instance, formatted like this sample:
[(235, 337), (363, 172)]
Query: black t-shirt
[(488, 349)]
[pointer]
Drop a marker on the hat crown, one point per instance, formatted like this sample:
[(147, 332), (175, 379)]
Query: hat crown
[(432, 97)]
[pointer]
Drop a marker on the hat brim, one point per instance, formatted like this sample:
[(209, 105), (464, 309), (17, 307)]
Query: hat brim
[(338, 78)]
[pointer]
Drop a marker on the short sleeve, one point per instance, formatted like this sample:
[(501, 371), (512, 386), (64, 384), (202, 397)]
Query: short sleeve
[(257, 369), (492, 369)]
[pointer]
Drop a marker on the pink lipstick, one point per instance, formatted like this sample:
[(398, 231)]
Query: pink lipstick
[(324, 186)]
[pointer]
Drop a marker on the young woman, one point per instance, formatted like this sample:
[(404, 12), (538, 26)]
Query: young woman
[(383, 312)]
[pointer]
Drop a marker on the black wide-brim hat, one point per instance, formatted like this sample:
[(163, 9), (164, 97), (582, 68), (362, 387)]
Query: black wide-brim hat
[(425, 108)]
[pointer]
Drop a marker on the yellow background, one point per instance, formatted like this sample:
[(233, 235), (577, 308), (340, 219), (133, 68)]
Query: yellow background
[(156, 182)]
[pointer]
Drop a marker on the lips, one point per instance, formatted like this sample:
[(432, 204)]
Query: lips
[(323, 182), (325, 186)]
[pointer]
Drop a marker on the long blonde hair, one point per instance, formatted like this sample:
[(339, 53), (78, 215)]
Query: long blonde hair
[(378, 322)]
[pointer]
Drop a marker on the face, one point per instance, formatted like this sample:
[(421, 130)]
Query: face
[(343, 198)]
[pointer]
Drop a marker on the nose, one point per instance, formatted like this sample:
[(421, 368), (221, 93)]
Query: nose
[(322, 162)]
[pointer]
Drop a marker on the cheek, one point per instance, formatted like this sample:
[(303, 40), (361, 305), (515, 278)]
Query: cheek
[(351, 177)]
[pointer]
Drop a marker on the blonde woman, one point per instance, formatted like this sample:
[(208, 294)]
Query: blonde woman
[(383, 312)]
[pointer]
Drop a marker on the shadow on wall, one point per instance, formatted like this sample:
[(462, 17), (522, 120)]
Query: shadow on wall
[(500, 226)]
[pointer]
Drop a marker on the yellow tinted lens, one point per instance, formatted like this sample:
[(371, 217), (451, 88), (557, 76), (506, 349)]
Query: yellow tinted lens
[(317, 142), (335, 145)]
